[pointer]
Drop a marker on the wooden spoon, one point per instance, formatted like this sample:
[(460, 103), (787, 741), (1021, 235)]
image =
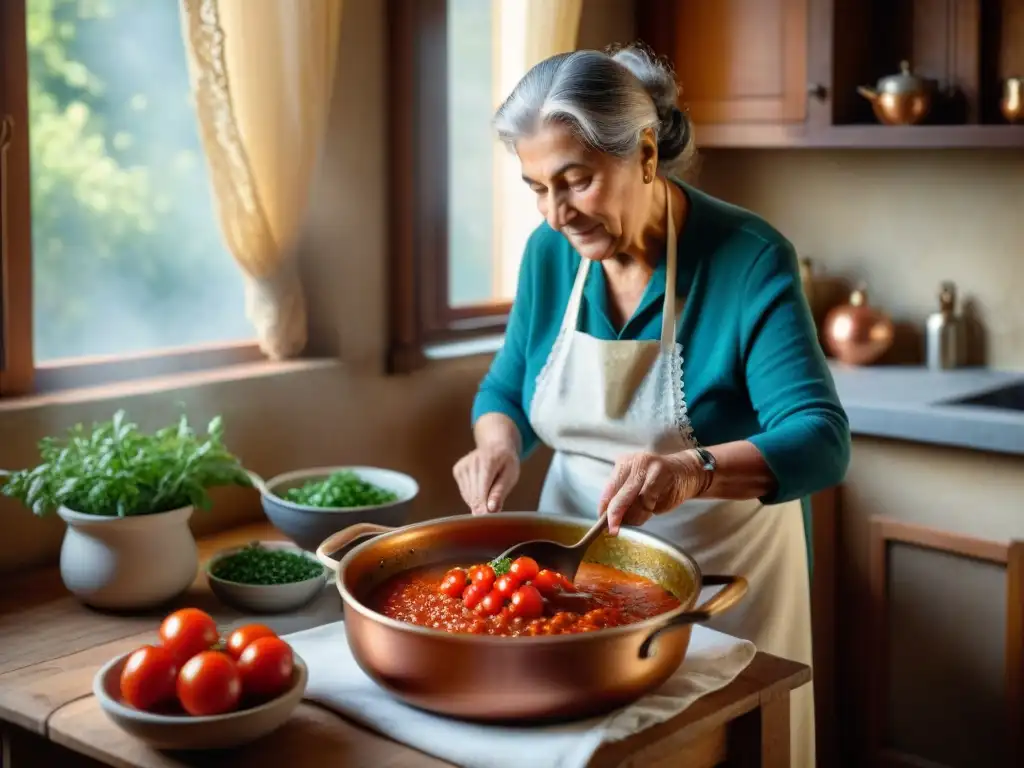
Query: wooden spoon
[(563, 558)]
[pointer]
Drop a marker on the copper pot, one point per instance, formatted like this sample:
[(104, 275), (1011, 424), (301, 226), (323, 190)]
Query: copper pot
[(857, 333), (516, 678)]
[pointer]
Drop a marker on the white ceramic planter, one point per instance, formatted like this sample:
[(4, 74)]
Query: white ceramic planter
[(128, 563)]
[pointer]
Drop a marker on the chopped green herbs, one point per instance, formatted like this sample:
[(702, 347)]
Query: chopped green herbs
[(258, 565), (341, 489), (115, 469), (501, 566)]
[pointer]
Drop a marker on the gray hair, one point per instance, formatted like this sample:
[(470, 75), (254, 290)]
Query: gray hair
[(608, 99)]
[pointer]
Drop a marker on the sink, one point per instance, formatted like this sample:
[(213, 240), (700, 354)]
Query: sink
[(1007, 397)]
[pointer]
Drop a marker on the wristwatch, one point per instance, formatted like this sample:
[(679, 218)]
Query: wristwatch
[(708, 464)]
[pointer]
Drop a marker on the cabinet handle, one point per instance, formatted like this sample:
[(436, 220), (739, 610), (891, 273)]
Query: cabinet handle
[(817, 91), (6, 135)]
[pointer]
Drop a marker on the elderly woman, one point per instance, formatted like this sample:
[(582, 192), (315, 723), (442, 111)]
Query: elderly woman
[(660, 344)]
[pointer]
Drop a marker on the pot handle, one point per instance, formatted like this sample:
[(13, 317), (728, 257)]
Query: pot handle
[(723, 600), (342, 539)]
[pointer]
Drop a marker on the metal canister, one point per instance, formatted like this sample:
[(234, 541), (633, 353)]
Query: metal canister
[(944, 332)]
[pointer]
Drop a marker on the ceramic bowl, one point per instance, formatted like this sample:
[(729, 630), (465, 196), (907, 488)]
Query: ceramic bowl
[(185, 732), (308, 526), (265, 598)]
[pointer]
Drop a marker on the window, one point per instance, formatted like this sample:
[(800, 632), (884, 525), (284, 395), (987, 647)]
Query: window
[(461, 211), (113, 260)]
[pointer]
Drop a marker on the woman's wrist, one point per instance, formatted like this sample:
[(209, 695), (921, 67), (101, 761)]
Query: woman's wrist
[(697, 471), (498, 433)]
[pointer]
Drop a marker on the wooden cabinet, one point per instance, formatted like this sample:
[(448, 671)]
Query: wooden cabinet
[(745, 60), (784, 73)]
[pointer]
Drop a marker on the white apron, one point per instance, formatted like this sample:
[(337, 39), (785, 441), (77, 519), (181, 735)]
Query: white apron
[(597, 401)]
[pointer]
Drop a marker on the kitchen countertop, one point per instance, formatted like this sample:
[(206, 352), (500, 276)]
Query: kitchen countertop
[(909, 403), (51, 646)]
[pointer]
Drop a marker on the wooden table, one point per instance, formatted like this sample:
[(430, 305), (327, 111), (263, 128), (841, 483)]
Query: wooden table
[(51, 646)]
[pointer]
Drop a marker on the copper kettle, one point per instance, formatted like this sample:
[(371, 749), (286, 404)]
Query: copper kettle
[(857, 333), (902, 99)]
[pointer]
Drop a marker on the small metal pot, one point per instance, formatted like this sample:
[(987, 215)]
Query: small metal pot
[(902, 99), (1012, 102), (516, 678)]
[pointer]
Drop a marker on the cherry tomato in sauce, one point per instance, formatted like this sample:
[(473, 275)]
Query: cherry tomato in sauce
[(243, 636), (209, 684), (547, 581), (492, 603), (266, 667), (524, 569), (187, 632), (473, 594), (506, 585), (483, 574), (567, 585), (527, 603), (148, 678), (454, 583)]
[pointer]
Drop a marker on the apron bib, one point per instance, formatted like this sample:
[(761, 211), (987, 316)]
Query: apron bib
[(597, 401)]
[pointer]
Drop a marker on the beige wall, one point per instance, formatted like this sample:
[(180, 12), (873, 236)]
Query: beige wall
[(319, 413), (901, 220)]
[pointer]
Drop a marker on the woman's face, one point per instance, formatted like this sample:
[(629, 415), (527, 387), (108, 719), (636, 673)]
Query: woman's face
[(598, 201)]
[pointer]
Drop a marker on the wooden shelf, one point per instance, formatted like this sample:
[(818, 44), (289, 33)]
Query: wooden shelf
[(785, 73), (863, 137)]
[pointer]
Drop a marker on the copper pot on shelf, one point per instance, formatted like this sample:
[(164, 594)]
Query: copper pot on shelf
[(857, 333), (901, 99), (1012, 103), (488, 678)]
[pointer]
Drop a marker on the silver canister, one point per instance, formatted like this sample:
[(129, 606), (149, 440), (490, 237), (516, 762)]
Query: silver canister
[(944, 332)]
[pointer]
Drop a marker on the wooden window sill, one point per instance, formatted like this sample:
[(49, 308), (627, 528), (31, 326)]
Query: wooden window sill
[(163, 384)]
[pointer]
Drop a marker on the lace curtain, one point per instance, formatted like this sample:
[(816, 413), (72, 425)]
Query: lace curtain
[(529, 32), (262, 74)]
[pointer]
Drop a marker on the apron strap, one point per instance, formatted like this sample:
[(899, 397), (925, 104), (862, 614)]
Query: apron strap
[(571, 318), (668, 312)]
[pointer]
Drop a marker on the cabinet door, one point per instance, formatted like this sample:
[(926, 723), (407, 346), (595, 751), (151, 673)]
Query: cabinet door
[(738, 61)]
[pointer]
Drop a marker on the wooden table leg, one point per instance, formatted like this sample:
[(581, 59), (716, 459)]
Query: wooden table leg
[(760, 738)]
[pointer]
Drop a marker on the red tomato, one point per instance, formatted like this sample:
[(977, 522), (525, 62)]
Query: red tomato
[(454, 583), (527, 603), (149, 677), (506, 585), (547, 581), (567, 585), (243, 636), (209, 684), (474, 594), (483, 574), (266, 667), (524, 568), (187, 632), (492, 603)]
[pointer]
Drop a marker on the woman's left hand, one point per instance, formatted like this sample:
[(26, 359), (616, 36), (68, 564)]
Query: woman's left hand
[(647, 484)]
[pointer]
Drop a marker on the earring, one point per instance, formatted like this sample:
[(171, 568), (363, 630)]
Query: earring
[(647, 178)]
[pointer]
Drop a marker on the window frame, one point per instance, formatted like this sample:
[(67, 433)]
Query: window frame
[(420, 311), (20, 375)]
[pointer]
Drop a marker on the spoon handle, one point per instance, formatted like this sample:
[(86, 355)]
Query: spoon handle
[(590, 536)]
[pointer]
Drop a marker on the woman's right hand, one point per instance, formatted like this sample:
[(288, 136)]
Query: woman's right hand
[(486, 476)]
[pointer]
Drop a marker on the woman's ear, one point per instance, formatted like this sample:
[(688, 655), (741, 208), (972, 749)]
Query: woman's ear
[(648, 154)]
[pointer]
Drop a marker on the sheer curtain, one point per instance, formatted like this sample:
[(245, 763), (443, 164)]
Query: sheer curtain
[(262, 74), (526, 32)]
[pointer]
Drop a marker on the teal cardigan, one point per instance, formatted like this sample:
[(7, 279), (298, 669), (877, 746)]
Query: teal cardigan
[(753, 368)]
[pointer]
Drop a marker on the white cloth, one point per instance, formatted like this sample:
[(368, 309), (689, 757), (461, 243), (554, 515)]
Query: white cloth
[(597, 401), (337, 682)]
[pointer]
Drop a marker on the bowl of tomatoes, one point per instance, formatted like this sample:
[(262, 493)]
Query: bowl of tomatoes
[(195, 690)]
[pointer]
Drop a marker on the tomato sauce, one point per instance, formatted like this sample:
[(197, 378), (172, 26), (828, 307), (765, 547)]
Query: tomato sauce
[(606, 597)]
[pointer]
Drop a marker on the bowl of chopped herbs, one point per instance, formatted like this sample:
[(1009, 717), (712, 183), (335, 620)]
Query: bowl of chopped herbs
[(265, 577), (309, 505)]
